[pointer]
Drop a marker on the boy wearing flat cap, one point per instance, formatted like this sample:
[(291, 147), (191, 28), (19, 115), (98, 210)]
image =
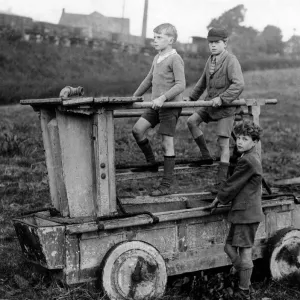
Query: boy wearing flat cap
[(224, 82)]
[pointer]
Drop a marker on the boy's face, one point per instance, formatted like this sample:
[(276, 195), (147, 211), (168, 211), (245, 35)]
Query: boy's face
[(217, 47), (244, 143), (162, 41)]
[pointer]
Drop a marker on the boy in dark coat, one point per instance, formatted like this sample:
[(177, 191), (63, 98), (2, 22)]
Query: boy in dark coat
[(243, 189), (223, 80)]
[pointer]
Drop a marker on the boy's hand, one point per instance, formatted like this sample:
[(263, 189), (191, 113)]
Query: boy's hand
[(217, 102), (158, 102), (212, 207)]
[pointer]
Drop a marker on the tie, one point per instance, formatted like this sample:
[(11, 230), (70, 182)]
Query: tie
[(212, 65)]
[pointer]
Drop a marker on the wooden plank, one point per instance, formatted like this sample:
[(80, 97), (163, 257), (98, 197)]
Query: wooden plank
[(192, 104), (75, 135), (72, 260), (77, 101), (255, 112), (203, 259), (104, 149), (271, 223), (131, 114), (52, 101), (46, 116), (57, 168), (177, 171), (289, 181), (112, 100)]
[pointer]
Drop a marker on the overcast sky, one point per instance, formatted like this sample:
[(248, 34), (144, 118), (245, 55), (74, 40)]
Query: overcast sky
[(189, 16)]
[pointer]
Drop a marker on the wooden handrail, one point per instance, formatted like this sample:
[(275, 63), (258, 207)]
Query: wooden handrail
[(116, 103)]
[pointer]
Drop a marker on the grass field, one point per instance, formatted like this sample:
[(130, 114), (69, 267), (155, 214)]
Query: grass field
[(24, 183)]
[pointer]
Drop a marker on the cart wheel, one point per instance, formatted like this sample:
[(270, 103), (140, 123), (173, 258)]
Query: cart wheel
[(134, 270), (285, 253)]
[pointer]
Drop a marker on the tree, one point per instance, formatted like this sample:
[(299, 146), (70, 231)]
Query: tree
[(273, 40), (230, 19)]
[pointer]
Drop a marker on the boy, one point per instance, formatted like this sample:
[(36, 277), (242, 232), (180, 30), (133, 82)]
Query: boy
[(243, 189), (167, 79), (224, 82)]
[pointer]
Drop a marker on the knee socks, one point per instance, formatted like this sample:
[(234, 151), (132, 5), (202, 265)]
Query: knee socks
[(200, 141), (169, 164), (147, 150)]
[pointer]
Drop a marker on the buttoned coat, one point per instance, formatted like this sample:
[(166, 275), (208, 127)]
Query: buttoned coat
[(227, 82), (243, 189)]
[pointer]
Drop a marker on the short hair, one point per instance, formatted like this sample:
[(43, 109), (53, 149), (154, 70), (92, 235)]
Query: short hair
[(167, 29), (248, 128)]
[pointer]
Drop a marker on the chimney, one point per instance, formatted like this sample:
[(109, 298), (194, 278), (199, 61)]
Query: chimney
[(145, 20)]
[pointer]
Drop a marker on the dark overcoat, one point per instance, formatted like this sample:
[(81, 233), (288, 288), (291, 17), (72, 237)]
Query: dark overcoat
[(243, 189)]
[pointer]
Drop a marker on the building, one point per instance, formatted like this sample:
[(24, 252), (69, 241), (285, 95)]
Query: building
[(95, 23)]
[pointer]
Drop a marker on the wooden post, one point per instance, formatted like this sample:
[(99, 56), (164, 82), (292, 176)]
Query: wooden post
[(46, 116), (104, 150), (75, 136), (57, 166), (255, 112)]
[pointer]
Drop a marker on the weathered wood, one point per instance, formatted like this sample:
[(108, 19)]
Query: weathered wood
[(177, 171), (192, 104), (255, 112), (75, 135), (77, 101), (129, 101), (288, 181), (52, 101), (57, 168), (104, 164), (46, 116), (112, 100), (130, 114), (72, 260)]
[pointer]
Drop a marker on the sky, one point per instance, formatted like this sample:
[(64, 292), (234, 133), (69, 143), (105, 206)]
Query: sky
[(190, 17)]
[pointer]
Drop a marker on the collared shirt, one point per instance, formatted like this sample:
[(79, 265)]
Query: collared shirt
[(164, 56), (215, 59)]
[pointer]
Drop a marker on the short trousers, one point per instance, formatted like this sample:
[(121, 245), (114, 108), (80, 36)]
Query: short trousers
[(224, 126), (167, 117), (242, 235)]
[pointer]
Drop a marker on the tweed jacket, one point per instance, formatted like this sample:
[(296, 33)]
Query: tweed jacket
[(166, 78), (243, 190), (227, 82)]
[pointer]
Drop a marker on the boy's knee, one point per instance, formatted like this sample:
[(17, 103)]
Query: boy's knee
[(246, 258), (135, 131), (193, 121)]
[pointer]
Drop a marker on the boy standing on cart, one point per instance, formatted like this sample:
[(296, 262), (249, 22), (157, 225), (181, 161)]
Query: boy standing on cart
[(224, 82), (243, 189), (167, 79)]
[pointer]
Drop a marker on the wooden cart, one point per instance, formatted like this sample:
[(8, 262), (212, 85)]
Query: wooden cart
[(130, 245)]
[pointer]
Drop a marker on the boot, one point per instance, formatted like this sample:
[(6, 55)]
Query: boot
[(221, 177), (152, 165), (206, 159), (164, 187)]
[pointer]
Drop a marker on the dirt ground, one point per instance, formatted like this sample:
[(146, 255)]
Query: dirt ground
[(24, 186)]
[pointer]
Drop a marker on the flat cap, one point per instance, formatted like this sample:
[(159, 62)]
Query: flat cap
[(216, 34)]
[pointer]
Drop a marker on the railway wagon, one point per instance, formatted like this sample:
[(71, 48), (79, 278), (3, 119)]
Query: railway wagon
[(132, 244)]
